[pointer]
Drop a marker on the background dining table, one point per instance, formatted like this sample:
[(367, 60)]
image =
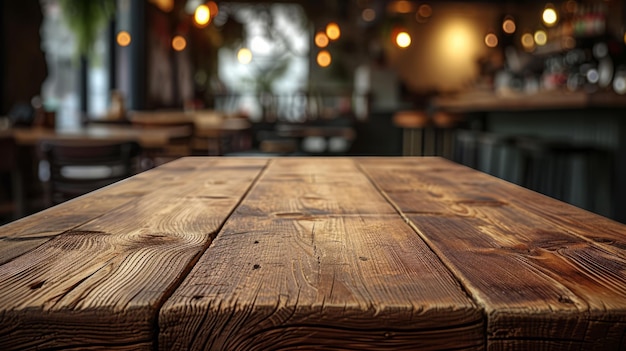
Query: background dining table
[(217, 253)]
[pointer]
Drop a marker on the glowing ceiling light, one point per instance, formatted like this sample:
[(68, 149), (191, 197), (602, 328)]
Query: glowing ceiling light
[(324, 59), (508, 26), (403, 40), (179, 43), (321, 40), (213, 9), (549, 15), (491, 40), (123, 38), (244, 56), (528, 42), (202, 16), (541, 38), (332, 31), (368, 15)]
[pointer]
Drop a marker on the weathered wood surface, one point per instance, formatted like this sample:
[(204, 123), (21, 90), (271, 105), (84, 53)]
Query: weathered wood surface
[(104, 263), (314, 257), (549, 276), (311, 253)]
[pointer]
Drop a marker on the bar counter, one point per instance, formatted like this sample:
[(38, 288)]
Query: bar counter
[(313, 253)]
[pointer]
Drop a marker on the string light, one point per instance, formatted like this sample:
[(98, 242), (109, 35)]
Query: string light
[(202, 16), (123, 38), (541, 38), (549, 15), (491, 40), (403, 40), (324, 59), (333, 31), (244, 56), (321, 40), (179, 43), (508, 26)]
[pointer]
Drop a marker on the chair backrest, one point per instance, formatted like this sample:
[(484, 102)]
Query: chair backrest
[(79, 167)]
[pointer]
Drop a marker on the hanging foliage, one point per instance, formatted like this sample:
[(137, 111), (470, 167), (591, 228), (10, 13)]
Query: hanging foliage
[(85, 18)]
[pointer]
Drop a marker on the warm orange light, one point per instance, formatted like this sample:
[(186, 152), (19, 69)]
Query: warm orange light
[(508, 26), (332, 31), (624, 38), (549, 15), (368, 15), (491, 40), (179, 43), (569, 42), (423, 13), (400, 6), (213, 9), (244, 56), (571, 6), (324, 59), (403, 40), (202, 16), (321, 40), (425, 10), (123, 38), (541, 38), (528, 42), (164, 5)]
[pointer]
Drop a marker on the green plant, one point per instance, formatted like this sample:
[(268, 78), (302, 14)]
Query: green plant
[(85, 18)]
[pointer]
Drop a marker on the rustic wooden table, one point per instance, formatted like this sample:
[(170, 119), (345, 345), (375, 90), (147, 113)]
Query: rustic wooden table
[(333, 253)]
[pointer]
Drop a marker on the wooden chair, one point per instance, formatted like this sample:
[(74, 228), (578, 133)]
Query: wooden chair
[(79, 167)]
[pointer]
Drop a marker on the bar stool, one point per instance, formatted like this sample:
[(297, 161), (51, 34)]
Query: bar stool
[(445, 125), (574, 172), (416, 139)]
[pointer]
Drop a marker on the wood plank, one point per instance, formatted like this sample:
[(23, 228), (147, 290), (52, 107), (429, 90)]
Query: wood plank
[(100, 284), (27, 233), (304, 263), (315, 186), (550, 282)]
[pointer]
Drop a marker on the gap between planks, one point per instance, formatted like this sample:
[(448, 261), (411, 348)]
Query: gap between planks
[(192, 263), (423, 237)]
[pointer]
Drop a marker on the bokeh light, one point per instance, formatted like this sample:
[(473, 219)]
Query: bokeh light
[(179, 43), (400, 6), (491, 40), (123, 38), (324, 59), (528, 42), (213, 8), (332, 31), (423, 13), (549, 15), (368, 15), (541, 38), (570, 6), (403, 39), (244, 56), (508, 26), (321, 40), (202, 16)]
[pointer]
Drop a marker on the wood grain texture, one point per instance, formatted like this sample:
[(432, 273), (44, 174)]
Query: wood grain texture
[(98, 282), (550, 276), (315, 258)]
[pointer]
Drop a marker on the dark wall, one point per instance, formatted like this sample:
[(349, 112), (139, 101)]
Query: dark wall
[(22, 63)]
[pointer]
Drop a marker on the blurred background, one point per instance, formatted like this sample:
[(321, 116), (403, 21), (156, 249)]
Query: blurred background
[(529, 91)]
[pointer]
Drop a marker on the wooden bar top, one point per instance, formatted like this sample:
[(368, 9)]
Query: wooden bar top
[(313, 253)]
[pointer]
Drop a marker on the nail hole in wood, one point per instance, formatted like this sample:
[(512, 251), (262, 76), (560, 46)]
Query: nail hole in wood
[(37, 285)]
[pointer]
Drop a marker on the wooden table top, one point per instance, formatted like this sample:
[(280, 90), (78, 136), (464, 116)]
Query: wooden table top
[(336, 253)]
